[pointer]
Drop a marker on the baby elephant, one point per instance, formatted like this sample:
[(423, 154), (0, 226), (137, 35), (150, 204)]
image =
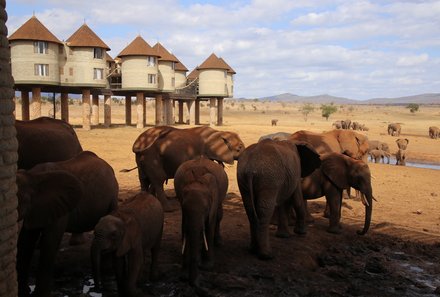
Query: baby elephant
[(201, 186), (127, 233), (377, 155), (400, 157)]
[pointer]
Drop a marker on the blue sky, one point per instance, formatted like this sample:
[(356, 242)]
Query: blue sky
[(354, 49)]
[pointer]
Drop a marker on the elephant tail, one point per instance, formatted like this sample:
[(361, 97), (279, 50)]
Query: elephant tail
[(252, 210), (128, 170)]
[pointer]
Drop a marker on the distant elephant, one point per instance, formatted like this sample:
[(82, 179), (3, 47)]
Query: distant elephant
[(336, 173), (350, 143), (402, 143), (276, 136), (378, 145), (201, 187), (394, 129), (129, 232), (58, 197), (274, 122), (337, 124), (269, 174), (356, 126), (161, 150), (45, 140), (378, 155), (346, 124), (401, 157), (434, 132)]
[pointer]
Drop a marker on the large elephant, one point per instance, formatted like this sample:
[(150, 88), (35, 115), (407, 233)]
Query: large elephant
[(45, 140), (161, 150), (434, 132), (58, 197), (276, 136), (401, 157), (269, 175), (394, 129), (378, 145), (350, 143), (336, 173), (402, 143), (378, 155), (201, 187), (127, 233)]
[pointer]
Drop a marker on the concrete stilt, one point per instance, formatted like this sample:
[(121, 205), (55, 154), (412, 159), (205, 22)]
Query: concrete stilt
[(107, 110), (140, 110), (220, 111), (159, 110), (65, 107), (25, 105), (95, 109), (86, 109), (128, 110), (212, 111), (36, 103)]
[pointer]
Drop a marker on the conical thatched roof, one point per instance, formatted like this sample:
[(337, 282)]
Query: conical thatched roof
[(213, 62), (230, 70), (164, 54), (138, 47), (33, 29), (193, 74), (179, 65), (108, 58), (85, 37)]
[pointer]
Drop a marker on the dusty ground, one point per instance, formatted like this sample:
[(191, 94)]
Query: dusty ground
[(398, 257)]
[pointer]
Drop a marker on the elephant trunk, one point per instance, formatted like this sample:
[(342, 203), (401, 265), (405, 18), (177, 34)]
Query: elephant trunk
[(368, 211), (96, 264), (192, 236)]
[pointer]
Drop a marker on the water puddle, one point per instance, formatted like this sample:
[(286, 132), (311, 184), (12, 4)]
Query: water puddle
[(416, 164)]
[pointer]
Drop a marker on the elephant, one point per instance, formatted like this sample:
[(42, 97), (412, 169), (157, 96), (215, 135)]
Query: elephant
[(356, 126), (274, 122), (269, 174), (58, 197), (45, 140), (434, 132), (394, 129), (201, 186), (346, 124), (276, 136), (377, 155), (127, 233), (402, 143), (350, 143), (336, 173), (337, 124), (161, 150), (401, 157), (378, 145)]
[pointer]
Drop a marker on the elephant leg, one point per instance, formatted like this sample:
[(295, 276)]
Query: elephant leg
[(135, 261), (154, 270), (49, 244), (283, 220), (334, 200), (119, 265), (208, 255), (309, 217), (298, 205), (262, 226), (218, 240), (27, 241)]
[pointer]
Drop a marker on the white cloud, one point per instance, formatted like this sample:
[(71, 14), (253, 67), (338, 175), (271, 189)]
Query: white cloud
[(412, 60)]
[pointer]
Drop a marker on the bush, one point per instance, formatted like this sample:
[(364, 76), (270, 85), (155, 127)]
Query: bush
[(306, 109), (328, 109), (413, 107)]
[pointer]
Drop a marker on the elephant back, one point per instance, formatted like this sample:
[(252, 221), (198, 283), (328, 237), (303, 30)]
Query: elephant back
[(148, 137)]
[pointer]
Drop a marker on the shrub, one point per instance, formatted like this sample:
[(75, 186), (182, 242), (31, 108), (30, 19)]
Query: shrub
[(306, 109), (328, 109), (413, 107)]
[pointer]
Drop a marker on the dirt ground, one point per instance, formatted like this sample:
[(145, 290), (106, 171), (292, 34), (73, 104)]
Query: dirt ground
[(399, 256)]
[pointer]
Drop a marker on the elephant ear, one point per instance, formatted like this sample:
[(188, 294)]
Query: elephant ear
[(308, 156), (218, 147), (52, 195), (334, 167), (130, 235)]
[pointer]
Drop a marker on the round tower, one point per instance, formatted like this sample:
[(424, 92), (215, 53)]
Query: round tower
[(212, 75)]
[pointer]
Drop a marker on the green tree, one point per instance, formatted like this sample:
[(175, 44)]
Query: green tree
[(328, 109), (306, 109), (413, 107)]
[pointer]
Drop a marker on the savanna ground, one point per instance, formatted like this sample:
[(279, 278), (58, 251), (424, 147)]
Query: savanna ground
[(399, 256)]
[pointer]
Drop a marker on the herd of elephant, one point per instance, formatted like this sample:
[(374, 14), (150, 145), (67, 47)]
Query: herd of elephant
[(348, 124), (62, 188)]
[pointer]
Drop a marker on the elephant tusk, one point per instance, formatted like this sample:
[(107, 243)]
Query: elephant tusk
[(374, 198), (183, 244), (372, 176), (364, 200), (205, 241)]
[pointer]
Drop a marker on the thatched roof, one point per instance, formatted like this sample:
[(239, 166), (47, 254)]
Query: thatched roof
[(164, 54), (108, 58), (179, 66), (193, 74), (213, 62), (230, 70), (33, 29), (138, 47), (85, 37)]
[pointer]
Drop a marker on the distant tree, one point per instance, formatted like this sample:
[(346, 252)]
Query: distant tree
[(413, 107), (256, 100), (328, 109), (306, 109)]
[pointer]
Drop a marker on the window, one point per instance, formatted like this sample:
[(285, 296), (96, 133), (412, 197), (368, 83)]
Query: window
[(98, 73), (41, 69), (226, 73), (61, 49), (61, 70), (151, 78), (173, 65), (71, 71), (151, 61), (97, 53), (41, 47), (173, 82)]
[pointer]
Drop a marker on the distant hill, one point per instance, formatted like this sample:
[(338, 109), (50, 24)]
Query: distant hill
[(320, 99)]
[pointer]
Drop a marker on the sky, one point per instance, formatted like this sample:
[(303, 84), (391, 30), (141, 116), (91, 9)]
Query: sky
[(354, 49)]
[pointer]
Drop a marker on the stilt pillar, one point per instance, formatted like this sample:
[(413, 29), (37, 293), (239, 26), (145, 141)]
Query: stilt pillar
[(212, 111), (192, 112), (95, 109), (180, 104), (86, 109), (36, 103), (220, 111), (65, 107), (128, 110), (140, 110), (107, 110), (144, 110), (25, 105), (159, 110), (197, 110)]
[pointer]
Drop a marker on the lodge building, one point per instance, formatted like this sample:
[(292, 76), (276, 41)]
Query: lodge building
[(40, 62)]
